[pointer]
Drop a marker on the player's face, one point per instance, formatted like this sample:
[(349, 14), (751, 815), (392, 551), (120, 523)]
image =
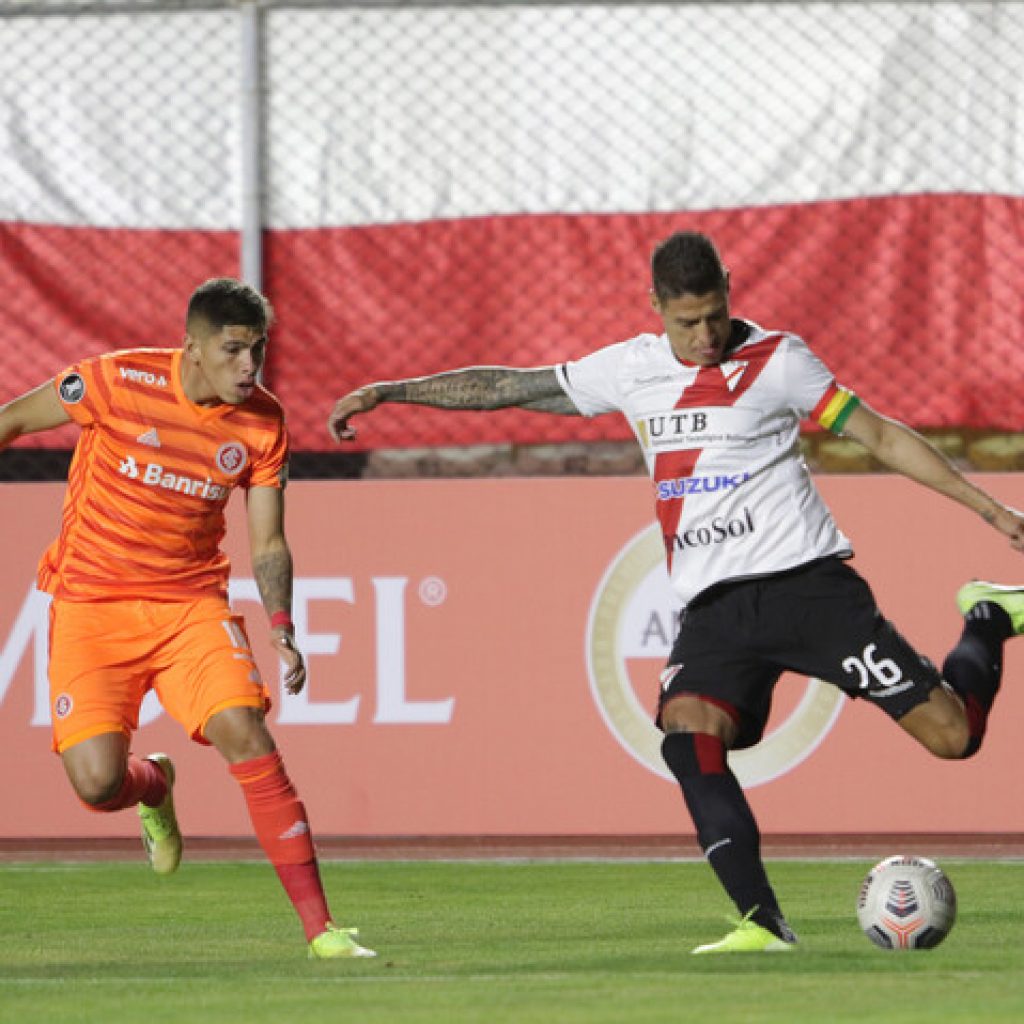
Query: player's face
[(698, 326), (223, 366)]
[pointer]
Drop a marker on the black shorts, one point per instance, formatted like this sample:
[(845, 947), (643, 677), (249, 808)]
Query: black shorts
[(819, 620)]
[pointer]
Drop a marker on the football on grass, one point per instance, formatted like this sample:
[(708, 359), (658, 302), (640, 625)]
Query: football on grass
[(906, 903)]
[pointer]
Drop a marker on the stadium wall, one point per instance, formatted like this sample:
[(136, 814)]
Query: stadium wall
[(484, 657)]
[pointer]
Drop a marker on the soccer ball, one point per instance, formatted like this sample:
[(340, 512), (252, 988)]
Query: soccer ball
[(906, 903)]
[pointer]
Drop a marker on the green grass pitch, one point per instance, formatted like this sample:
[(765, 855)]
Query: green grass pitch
[(488, 942)]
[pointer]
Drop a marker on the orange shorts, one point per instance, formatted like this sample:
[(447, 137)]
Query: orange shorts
[(106, 655)]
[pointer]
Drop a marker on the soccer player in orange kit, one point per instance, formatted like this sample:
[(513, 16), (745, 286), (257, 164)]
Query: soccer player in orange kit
[(139, 583)]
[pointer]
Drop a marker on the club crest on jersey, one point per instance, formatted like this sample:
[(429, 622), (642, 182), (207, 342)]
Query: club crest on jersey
[(732, 372), (62, 705), (231, 458), (72, 388)]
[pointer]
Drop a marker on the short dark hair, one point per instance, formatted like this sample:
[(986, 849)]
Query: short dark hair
[(686, 262), (224, 301)]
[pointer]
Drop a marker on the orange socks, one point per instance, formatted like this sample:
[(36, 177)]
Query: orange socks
[(279, 820)]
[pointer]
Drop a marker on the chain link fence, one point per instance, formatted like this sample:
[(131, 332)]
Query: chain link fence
[(421, 186)]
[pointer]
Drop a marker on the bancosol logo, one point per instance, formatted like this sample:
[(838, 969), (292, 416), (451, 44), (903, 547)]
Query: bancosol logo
[(633, 622)]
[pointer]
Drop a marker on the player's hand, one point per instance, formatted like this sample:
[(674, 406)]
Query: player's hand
[(1010, 522), (362, 400), (295, 667)]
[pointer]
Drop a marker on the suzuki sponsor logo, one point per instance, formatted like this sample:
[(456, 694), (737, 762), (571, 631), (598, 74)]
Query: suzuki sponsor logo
[(684, 485), (713, 531), (154, 475), (152, 380)]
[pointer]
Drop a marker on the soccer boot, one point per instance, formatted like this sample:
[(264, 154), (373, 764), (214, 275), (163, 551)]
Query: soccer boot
[(336, 943), (750, 937), (1010, 599), (161, 837)]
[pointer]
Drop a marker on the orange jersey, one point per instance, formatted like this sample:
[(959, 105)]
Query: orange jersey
[(151, 475)]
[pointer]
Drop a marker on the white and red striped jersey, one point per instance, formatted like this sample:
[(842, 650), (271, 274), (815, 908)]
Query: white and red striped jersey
[(734, 496)]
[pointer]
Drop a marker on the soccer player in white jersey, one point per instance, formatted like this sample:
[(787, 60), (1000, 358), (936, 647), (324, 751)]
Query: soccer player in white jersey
[(752, 551)]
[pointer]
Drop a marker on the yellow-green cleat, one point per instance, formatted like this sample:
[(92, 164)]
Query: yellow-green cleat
[(336, 943), (161, 837), (1010, 599), (748, 937)]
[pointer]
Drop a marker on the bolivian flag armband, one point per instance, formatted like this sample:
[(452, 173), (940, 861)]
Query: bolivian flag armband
[(835, 407)]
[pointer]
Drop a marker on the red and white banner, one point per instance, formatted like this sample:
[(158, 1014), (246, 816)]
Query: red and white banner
[(449, 185), (484, 659)]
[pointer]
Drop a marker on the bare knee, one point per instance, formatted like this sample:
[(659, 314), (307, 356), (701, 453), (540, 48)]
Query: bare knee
[(96, 767), (96, 784), (240, 734), (688, 713)]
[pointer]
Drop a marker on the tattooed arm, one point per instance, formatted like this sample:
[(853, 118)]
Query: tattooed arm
[(272, 567), (481, 388)]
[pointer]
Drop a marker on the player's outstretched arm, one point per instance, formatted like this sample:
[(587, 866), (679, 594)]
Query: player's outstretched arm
[(901, 449), (272, 567), (39, 409), (481, 388)]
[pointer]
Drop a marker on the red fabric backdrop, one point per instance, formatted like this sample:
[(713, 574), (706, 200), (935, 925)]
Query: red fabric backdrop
[(916, 302)]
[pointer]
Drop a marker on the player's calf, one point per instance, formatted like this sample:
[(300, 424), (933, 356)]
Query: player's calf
[(940, 724)]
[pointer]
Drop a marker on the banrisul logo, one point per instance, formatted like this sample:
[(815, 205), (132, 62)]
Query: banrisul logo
[(630, 631)]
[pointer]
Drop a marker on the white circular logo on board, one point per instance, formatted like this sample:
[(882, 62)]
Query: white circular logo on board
[(631, 628)]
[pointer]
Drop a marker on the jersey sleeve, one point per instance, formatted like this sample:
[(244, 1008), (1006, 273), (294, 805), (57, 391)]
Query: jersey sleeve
[(813, 390), (270, 468), (83, 391), (592, 383)]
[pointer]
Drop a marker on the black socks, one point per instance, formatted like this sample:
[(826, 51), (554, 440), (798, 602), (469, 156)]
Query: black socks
[(974, 668), (726, 829)]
